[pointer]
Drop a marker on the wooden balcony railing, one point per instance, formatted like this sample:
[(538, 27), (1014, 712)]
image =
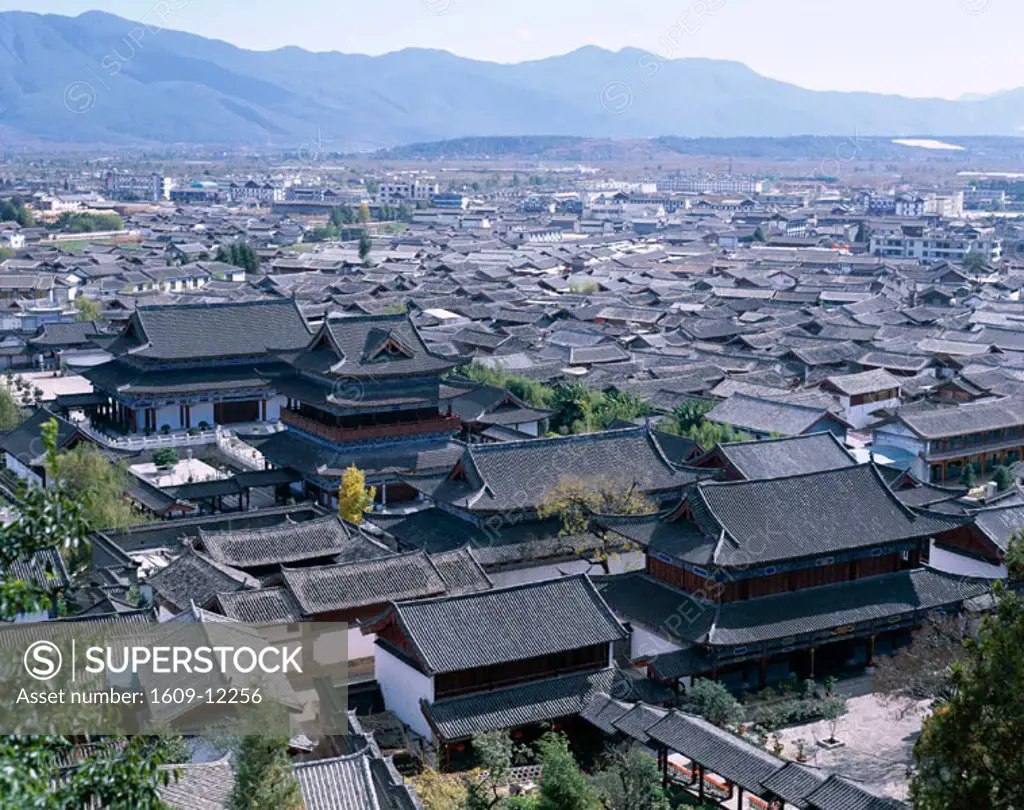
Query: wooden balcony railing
[(441, 424)]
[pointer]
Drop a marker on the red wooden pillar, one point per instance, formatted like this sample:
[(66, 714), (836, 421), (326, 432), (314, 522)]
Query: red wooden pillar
[(263, 404)]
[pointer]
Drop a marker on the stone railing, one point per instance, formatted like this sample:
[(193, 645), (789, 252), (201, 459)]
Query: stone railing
[(174, 439)]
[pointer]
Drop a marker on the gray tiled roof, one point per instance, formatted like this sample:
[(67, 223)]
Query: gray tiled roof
[(395, 578), (516, 475), (507, 624), (291, 542), (193, 331), (602, 710), (25, 441), (973, 418), (805, 515), (342, 783), (864, 383), (261, 605), (715, 749), (779, 458), (644, 600), (839, 793), (373, 347), (793, 782), (194, 577), (638, 721), (1000, 524), (766, 416), (871, 598), (205, 786), (526, 704)]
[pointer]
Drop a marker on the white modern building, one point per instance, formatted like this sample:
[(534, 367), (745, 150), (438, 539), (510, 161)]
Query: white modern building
[(393, 192), (141, 187)]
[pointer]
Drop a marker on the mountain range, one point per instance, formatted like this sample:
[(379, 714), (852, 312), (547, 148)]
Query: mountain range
[(100, 79)]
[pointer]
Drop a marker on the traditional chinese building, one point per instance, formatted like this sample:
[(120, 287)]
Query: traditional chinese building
[(506, 658), (746, 580), (361, 390)]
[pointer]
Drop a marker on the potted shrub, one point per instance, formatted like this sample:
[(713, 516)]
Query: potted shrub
[(165, 457)]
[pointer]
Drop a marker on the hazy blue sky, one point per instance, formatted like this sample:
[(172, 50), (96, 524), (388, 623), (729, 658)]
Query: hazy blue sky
[(914, 47)]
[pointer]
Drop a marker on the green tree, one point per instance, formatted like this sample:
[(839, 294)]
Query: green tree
[(687, 416), (354, 497), (87, 309), (714, 702), (33, 772), (574, 406), (440, 791), (969, 477), (631, 781), (969, 753), (14, 210), (624, 405), (564, 786), (976, 261), (263, 776), (10, 414), (495, 754), (365, 246), (1003, 478), (833, 708), (88, 222), (532, 392), (99, 485), (1014, 559)]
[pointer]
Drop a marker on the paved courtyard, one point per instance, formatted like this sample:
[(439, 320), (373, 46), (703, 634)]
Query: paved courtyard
[(51, 386), (878, 745)]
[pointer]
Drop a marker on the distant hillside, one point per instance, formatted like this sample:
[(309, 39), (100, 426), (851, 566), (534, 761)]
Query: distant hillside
[(81, 79), (828, 149)]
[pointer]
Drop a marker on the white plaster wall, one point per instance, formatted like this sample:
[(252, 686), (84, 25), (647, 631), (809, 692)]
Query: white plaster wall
[(860, 415), (202, 412), (168, 415), (359, 645), (646, 644), (403, 688), (274, 407), (22, 471), (953, 563), (39, 616)]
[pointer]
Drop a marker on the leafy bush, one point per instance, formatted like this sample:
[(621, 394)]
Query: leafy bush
[(165, 457), (795, 712), (714, 702)]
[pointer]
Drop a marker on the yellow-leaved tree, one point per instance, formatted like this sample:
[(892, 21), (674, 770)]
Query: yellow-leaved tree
[(354, 497), (574, 501)]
